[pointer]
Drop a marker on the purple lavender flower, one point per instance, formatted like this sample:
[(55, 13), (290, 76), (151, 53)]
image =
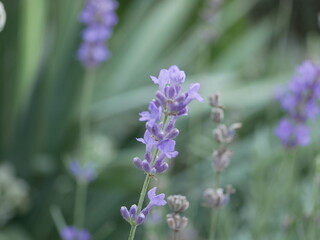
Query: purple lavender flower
[(301, 102), (170, 102), (292, 134), (135, 218), (84, 173), (100, 18), (72, 233)]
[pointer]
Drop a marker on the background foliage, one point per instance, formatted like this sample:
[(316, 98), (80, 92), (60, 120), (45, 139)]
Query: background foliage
[(243, 49)]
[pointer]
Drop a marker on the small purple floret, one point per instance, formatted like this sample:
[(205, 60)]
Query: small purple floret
[(138, 218)]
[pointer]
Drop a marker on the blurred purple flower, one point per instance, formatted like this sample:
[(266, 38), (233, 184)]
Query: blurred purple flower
[(100, 17), (291, 134), (301, 102), (72, 233), (84, 173)]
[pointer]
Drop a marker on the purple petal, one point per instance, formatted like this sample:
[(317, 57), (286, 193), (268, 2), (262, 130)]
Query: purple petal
[(125, 213)]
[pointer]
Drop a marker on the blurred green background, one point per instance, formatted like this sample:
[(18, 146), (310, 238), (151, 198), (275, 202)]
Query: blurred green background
[(244, 49)]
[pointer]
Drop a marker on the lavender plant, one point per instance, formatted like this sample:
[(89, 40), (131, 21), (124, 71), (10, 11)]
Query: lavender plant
[(99, 17), (170, 103), (301, 102), (217, 197), (178, 204)]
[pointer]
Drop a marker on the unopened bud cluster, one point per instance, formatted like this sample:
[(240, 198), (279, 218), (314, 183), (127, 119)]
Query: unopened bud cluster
[(217, 198), (177, 204), (222, 134)]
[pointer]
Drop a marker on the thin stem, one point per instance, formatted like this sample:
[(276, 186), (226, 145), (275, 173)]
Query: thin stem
[(213, 225), (81, 192), (143, 192), (214, 216), (57, 217), (80, 204), (217, 180), (132, 232), (85, 106), (175, 235), (145, 186)]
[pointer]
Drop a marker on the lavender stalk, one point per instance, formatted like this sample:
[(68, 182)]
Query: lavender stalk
[(217, 197), (170, 103), (301, 102), (99, 17)]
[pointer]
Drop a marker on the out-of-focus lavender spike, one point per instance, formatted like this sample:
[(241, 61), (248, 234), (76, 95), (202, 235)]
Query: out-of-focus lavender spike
[(301, 102), (99, 17)]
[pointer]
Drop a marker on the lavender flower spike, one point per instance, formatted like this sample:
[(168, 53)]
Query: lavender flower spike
[(100, 18), (163, 111), (301, 102), (172, 103)]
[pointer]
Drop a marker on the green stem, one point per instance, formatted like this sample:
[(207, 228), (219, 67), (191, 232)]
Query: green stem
[(145, 186), (85, 106), (57, 217), (144, 191), (80, 204), (217, 180), (213, 225), (81, 192), (132, 232), (175, 235)]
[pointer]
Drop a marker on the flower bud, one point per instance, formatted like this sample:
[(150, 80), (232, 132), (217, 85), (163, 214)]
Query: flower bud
[(176, 222), (133, 211), (183, 222), (217, 198), (146, 166), (223, 134), (214, 100), (125, 213), (138, 163), (171, 222), (178, 203), (221, 159), (217, 115), (140, 219)]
